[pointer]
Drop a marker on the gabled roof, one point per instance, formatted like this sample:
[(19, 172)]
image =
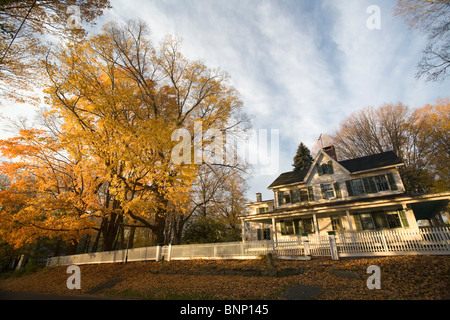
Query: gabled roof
[(376, 161)]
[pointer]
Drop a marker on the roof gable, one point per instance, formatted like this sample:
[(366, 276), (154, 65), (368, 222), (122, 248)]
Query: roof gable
[(316, 160)]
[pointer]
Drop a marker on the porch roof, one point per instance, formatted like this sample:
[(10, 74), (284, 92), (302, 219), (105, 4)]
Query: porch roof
[(423, 205)]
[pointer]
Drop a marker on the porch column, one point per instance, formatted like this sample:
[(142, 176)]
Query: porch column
[(243, 230), (275, 233), (316, 225), (410, 216), (350, 224)]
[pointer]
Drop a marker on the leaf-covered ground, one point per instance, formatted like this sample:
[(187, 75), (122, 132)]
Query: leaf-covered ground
[(406, 277)]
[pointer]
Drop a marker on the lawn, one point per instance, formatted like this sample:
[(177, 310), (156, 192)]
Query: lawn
[(405, 277)]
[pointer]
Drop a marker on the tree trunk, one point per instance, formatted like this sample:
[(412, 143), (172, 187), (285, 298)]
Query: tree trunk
[(131, 237), (110, 230), (72, 249), (158, 228)]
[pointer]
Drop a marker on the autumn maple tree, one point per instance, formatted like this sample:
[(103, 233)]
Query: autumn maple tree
[(103, 159)]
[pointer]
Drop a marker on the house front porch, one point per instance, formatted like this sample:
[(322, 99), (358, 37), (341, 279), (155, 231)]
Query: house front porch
[(393, 212)]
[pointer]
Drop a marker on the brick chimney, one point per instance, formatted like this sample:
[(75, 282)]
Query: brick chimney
[(331, 151), (258, 197)]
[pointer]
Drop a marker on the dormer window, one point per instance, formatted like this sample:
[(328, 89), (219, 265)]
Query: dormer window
[(325, 168)]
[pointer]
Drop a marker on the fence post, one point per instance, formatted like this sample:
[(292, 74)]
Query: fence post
[(169, 252), (158, 252), (305, 241), (333, 246)]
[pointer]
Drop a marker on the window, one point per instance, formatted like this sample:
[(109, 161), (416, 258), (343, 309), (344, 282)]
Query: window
[(355, 187), (393, 219), (304, 195), (325, 168), (327, 191), (378, 220), (295, 195), (287, 227), (297, 226), (263, 234), (308, 225), (366, 221), (336, 223), (381, 183), (286, 197), (262, 209), (367, 185)]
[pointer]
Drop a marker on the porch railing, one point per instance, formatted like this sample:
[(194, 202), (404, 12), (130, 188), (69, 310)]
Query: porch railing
[(391, 242)]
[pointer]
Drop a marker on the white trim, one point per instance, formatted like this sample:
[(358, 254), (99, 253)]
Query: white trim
[(313, 165)]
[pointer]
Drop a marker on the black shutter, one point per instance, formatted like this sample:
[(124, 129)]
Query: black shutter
[(349, 188), (319, 169), (310, 194), (330, 167), (369, 185), (323, 191), (337, 190), (392, 182)]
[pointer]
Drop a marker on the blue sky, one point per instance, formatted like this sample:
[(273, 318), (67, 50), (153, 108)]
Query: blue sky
[(300, 66)]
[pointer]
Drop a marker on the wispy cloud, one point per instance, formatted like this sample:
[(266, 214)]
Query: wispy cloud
[(300, 66)]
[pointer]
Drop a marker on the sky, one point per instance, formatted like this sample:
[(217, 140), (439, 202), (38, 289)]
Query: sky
[(300, 66)]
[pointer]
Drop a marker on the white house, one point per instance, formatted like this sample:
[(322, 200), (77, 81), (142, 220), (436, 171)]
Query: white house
[(353, 195)]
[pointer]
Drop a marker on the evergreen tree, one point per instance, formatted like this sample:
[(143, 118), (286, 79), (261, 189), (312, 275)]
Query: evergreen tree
[(303, 158)]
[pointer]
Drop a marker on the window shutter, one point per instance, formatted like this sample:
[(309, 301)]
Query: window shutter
[(283, 227), (392, 182), (337, 190), (357, 222), (369, 185), (319, 169), (402, 215), (330, 167), (349, 188), (295, 195), (323, 191), (310, 194), (280, 198)]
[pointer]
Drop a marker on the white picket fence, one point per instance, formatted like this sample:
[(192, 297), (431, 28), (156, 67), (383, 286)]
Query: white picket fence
[(342, 244), (394, 242)]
